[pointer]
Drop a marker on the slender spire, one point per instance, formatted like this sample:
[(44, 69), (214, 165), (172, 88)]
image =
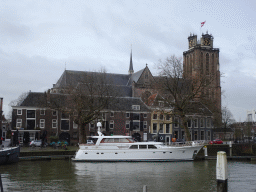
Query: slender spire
[(131, 64)]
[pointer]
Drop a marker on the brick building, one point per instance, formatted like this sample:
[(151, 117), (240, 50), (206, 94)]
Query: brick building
[(201, 63), (131, 113)]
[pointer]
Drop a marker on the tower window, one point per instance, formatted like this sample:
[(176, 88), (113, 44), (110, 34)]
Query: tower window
[(202, 63), (207, 64), (212, 63)]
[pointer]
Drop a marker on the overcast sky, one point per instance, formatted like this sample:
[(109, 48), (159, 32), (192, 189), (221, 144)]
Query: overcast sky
[(39, 38)]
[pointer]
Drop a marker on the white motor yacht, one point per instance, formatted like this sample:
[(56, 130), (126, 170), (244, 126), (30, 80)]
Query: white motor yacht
[(124, 148)]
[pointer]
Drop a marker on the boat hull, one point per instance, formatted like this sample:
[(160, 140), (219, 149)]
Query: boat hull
[(9, 155), (163, 154)]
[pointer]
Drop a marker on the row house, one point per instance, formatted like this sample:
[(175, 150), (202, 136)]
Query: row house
[(199, 122), (130, 117)]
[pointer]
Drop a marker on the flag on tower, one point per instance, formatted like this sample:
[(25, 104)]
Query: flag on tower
[(202, 23)]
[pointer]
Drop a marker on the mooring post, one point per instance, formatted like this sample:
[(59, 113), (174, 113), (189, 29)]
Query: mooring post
[(1, 184), (145, 188), (222, 172), (230, 148), (205, 151)]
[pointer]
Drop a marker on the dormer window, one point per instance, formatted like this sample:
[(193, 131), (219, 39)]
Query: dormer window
[(136, 107), (161, 103)]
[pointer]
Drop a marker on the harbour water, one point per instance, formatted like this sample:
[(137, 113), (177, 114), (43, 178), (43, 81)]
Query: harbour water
[(64, 175)]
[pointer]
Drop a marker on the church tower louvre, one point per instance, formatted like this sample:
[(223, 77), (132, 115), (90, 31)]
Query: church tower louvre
[(201, 63)]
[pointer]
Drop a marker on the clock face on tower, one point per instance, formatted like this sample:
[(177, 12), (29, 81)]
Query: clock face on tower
[(207, 42)]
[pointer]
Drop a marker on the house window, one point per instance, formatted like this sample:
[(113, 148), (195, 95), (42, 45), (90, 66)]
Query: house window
[(92, 125), (54, 123), (161, 103), (167, 128), (111, 124), (183, 134), (161, 117), (18, 123), (161, 130), (155, 116), (75, 125), (112, 114), (201, 122), (127, 124), (195, 135), (145, 124), (189, 123), (136, 107), (42, 112), (176, 122), (19, 112), (136, 116), (136, 125), (65, 124), (208, 135), (54, 113), (42, 123), (31, 114), (195, 123), (202, 135), (154, 128), (127, 115), (168, 117), (145, 115), (208, 122)]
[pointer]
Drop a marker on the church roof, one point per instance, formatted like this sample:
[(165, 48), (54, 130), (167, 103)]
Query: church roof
[(71, 78)]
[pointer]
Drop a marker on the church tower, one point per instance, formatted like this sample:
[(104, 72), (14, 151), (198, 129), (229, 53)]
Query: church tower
[(201, 62)]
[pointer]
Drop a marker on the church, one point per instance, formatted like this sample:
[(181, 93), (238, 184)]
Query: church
[(138, 111)]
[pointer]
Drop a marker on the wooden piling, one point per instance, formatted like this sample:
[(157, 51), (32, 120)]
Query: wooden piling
[(222, 172), (205, 151)]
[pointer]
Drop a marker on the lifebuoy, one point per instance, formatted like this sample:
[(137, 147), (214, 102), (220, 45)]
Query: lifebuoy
[(161, 138)]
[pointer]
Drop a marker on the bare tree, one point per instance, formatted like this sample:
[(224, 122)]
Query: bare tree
[(179, 90), (227, 117), (20, 99), (85, 99)]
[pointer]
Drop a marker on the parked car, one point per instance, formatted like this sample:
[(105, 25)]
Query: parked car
[(35, 143), (216, 141)]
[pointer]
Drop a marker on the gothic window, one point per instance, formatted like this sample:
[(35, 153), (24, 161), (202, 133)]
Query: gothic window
[(212, 63), (190, 65), (187, 66), (202, 63), (193, 65), (207, 64)]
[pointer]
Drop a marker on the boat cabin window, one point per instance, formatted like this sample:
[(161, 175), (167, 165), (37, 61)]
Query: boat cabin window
[(134, 147), (117, 140), (152, 147), (143, 146)]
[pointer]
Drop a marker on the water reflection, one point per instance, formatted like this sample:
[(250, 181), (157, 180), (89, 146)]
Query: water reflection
[(63, 175)]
